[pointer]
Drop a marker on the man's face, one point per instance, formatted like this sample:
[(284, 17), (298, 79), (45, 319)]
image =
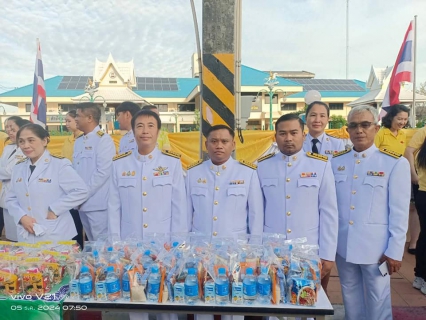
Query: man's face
[(82, 120), (219, 145), (146, 132), (362, 129), (124, 120), (289, 137)]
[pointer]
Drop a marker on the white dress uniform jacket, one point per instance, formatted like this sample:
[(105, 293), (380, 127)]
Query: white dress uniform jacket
[(55, 184), (327, 145), (224, 200), (92, 159), (373, 196), (300, 198), (127, 143), (147, 194)]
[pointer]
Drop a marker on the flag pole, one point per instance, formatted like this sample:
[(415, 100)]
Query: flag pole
[(413, 111)]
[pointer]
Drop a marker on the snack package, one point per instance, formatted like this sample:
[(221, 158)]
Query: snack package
[(35, 277), (302, 292), (137, 285), (55, 263), (10, 281)]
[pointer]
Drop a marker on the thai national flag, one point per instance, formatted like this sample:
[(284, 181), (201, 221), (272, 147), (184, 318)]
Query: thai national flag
[(38, 105), (402, 71)]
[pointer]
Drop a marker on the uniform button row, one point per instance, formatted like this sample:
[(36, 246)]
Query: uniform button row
[(144, 193), (145, 209), (216, 203), (214, 218), (145, 225), (215, 233), (352, 207), (351, 222), (217, 188), (287, 196)]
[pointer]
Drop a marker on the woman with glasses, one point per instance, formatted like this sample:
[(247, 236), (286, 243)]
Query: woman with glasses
[(10, 156), (317, 141)]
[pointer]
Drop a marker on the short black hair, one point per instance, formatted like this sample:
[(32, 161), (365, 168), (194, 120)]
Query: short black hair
[(72, 113), (37, 129), (127, 106), (149, 107), (321, 104), (146, 113), (220, 127), (289, 117), (90, 108), (392, 112)]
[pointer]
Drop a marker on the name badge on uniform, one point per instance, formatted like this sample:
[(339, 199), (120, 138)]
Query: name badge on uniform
[(45, 180), (308, 175), (202, 180), (376, 173), (161, 171), (128, 173), (236, 182), (88, 148)]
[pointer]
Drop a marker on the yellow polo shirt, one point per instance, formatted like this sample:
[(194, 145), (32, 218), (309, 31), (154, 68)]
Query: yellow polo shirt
[(68, 147), (416, 142), (386, 140)]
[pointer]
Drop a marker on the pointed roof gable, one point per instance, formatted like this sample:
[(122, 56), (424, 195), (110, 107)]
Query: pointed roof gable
[(124, 70)]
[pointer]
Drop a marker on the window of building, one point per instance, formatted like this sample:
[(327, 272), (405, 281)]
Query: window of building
[(186, 107), (274, 98), (68, 107), (28, 107), (288, 106), (336, 106), (162, 107), (187, 127)]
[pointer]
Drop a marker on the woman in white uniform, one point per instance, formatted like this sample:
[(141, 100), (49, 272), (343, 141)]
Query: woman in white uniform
[(44, 188), (11, 155)]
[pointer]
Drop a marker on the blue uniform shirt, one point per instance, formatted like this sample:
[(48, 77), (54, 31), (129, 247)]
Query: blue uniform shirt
[(373, 196), (147, 194), (300, 199), (92, 159), (127, 143), (224, 200), (327, 145)]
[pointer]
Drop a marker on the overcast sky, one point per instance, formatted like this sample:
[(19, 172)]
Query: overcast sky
[(159, 35)]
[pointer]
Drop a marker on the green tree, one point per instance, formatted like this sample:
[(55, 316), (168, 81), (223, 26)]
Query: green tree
[(337, 121), (197, 119)]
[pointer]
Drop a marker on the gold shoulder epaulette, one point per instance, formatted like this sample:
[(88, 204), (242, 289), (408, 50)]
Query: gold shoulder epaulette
[(80, 135), (267, 156), (196, 163), (122, 155), (100, 133), (22, 160), (317, 156), (248, 164), (391, 153), (341, 153), (57, 156), (171, 153)]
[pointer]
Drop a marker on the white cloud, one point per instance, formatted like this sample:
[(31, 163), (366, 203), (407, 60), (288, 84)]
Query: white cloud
[(159, 36)]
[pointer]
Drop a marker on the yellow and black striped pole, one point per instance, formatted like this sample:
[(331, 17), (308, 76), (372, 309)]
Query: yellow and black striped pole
[(218, 104)]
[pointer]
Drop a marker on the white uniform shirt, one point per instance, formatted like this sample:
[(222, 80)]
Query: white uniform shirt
[(92, 159), (127, 143), (147, 194), (10, 156), (327, 145), (55, 184), (224, 200), (373, 196), (300, 199)]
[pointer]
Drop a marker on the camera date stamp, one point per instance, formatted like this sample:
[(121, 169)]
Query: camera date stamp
[(48, 307)]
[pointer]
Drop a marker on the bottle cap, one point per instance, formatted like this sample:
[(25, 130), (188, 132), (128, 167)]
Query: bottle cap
[(110, 269), (191, 271), (84, 269), (222, 271), (109, 249), (154, 269), (95, 253), (147, 252), (175, 244), (249, 271)]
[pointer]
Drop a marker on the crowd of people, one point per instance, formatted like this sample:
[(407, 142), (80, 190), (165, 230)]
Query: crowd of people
[(354, 203)]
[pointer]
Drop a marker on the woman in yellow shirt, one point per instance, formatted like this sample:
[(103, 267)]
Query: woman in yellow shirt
[(390, 135), (67, 152)]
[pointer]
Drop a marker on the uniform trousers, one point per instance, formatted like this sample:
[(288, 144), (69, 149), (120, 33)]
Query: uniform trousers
[(420, 270), (10, 228), (366, 293), (94, 223)]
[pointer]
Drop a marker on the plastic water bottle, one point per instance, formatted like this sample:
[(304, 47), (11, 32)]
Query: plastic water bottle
[(147, 260), (126, 283), (222, 287), (249, 287), (154, 280), (85, 284), (191, 286), (264, 286), (112, 284)]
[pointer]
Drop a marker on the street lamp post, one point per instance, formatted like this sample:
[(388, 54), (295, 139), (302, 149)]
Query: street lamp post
[(270, 82), (1, 122), (60, 119), (91, 89)]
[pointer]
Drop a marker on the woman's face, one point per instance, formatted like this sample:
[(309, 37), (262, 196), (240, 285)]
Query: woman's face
[(399, 121), (12, 129), (317, 119), (31, 145), (70, 123)]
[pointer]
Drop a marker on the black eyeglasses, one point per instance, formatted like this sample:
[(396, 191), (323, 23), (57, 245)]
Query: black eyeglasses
[(363, 125)]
